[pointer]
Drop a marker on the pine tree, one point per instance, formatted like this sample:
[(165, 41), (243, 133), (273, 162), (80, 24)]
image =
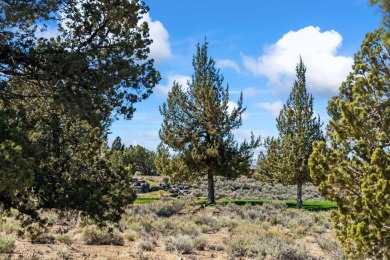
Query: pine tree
[(142, 159), (385, 8), (117, 144), (352, 167), (198, 127), (286, 159)]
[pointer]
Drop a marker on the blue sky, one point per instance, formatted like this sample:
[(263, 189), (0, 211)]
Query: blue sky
[(256, 44)]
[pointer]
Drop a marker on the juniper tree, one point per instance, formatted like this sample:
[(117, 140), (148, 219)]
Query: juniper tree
[(198, 127), (352, 166), (69, 88), (286, 158)]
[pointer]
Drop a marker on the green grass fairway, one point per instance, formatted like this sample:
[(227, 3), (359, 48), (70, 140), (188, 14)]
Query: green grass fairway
[(312, 205), (145, 200)]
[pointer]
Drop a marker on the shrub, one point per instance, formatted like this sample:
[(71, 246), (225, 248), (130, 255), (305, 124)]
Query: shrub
[(11, 227), (330, 246), (227, 222), (147, 243), (165, 180), (250, 240), (167, 226), (131, 235), (42, 238), (204, 218), (200, 242), (239, 246), (168, 208), (188, 228), (92, 235), (64, 238), (7, 244), (182, 243)]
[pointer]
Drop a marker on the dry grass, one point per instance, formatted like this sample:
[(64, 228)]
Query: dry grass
[(174, 228)]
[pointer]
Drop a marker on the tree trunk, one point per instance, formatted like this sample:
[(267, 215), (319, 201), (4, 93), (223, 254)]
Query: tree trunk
[(299, 195), (210, 188)]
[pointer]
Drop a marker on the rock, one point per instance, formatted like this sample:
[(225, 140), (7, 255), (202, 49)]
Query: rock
[(155, 188)]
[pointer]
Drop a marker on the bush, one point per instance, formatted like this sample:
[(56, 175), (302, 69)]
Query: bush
[(182, 243), (239, 246), (131, 235), (147, 243), (11, 227), (189, 228), (168, 208), (250, 240), (200, 242), (7, 244), (42, 238), (64, 238), (330, 246), (93, 235), (167, 226)]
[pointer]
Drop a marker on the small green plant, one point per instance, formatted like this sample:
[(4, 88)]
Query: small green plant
[(165, 180), (7, 244)]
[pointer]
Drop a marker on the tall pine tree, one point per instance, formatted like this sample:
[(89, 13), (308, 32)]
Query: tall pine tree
[(286, 158), (198, 127)]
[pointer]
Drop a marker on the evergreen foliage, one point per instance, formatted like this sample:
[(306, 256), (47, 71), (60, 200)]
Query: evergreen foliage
[(352, 167), (58, 97), (385, 7), (142, 159), (286, 157), (133, 158), (198, 127)]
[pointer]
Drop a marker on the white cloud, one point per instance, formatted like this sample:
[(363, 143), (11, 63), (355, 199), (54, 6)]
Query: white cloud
[(181, 79), (231, 105), (252, 92), (160, 49), (325, 69), (274, 107), (228, 64)]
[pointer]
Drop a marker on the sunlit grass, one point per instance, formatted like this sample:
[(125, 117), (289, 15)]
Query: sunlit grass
[(312, 205)]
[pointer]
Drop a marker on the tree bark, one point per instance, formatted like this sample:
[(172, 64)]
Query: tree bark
[(299, 196), (210, 188)]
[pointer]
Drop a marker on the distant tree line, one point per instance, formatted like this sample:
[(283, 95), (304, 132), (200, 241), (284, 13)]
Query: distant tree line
[(136, 158)]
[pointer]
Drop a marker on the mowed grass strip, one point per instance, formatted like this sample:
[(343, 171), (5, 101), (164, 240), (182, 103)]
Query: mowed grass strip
[(312, 205), (145, 200)]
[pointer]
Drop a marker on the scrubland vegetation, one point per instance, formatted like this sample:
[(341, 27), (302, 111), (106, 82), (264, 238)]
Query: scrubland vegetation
[(180, 227), (66, 194)]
